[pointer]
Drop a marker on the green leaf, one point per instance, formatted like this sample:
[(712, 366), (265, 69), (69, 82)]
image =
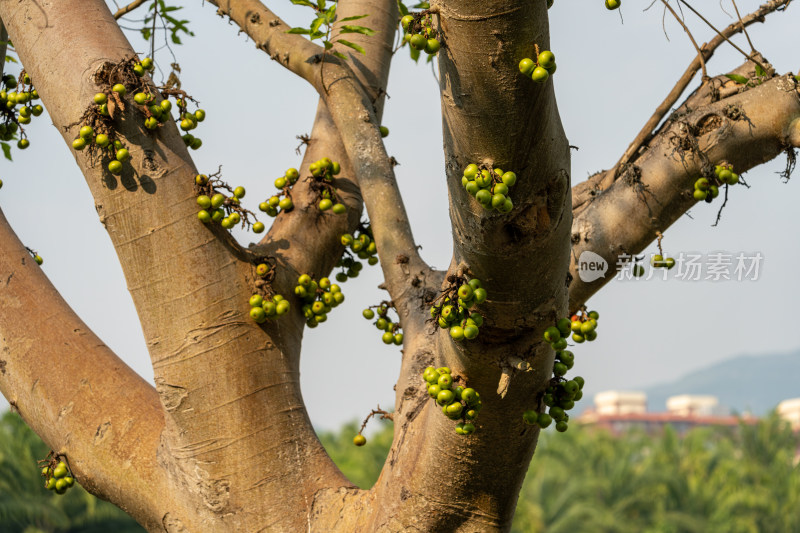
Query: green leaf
[(330, 14), (10, 59), (146, 34), (354, 46), (6, 150), (328, 44), (414, 53), (403, 8), (353, 18), (302, 31), (760, 71), (737, 78), (321, 5), (339, 55), (317, 35), (302, 3), (316, 23), (356, 29), (797, 77)]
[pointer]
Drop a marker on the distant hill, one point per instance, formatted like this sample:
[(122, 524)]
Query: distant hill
[(747, 383)]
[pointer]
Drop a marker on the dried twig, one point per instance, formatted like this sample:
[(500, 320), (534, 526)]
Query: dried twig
[(606, 179), (121, 12), (752, 48), (385, 415), (691, 38), (751, 57)]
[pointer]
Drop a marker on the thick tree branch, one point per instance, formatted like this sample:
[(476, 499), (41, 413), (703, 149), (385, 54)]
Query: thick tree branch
[(353, 114), (745, 129), (341, 509), (584, 191), (355, 117), (315, 236), (371, 68), (229, 388), (56, 373), (520, 131), (493, 115)]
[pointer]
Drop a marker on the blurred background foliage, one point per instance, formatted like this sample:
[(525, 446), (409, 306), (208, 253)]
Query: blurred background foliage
[(740, 480), (27, 507)]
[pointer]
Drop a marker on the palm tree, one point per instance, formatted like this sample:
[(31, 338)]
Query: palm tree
[(712, 479)]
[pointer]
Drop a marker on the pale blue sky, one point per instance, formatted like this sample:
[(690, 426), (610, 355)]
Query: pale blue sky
[(610, 78)]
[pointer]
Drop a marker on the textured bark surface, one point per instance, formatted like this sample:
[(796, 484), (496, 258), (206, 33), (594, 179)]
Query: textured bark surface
[(745, 129), (483, 91), (229, 389), (223, 442), (74, 392)]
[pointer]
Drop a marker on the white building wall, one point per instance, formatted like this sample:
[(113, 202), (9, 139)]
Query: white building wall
[(693, 405), (620, 402), (789, 410)]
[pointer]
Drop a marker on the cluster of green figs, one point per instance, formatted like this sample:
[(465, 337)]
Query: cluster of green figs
[(541, 69), (216, 207), (706, 189), (58, 478), (489, 187), (560, 396), (420, 35), (24, 96), (456, 311), (457, 402), (319, 298)]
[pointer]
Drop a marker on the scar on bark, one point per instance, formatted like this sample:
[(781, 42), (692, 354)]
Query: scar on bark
[(708, 123), (632, 175), (685, 142), (100, 434), (734, 112), (171, 395), (416, 409)]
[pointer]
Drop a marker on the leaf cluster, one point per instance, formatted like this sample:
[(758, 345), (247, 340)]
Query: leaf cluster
[(173, 26), (322, 25)]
